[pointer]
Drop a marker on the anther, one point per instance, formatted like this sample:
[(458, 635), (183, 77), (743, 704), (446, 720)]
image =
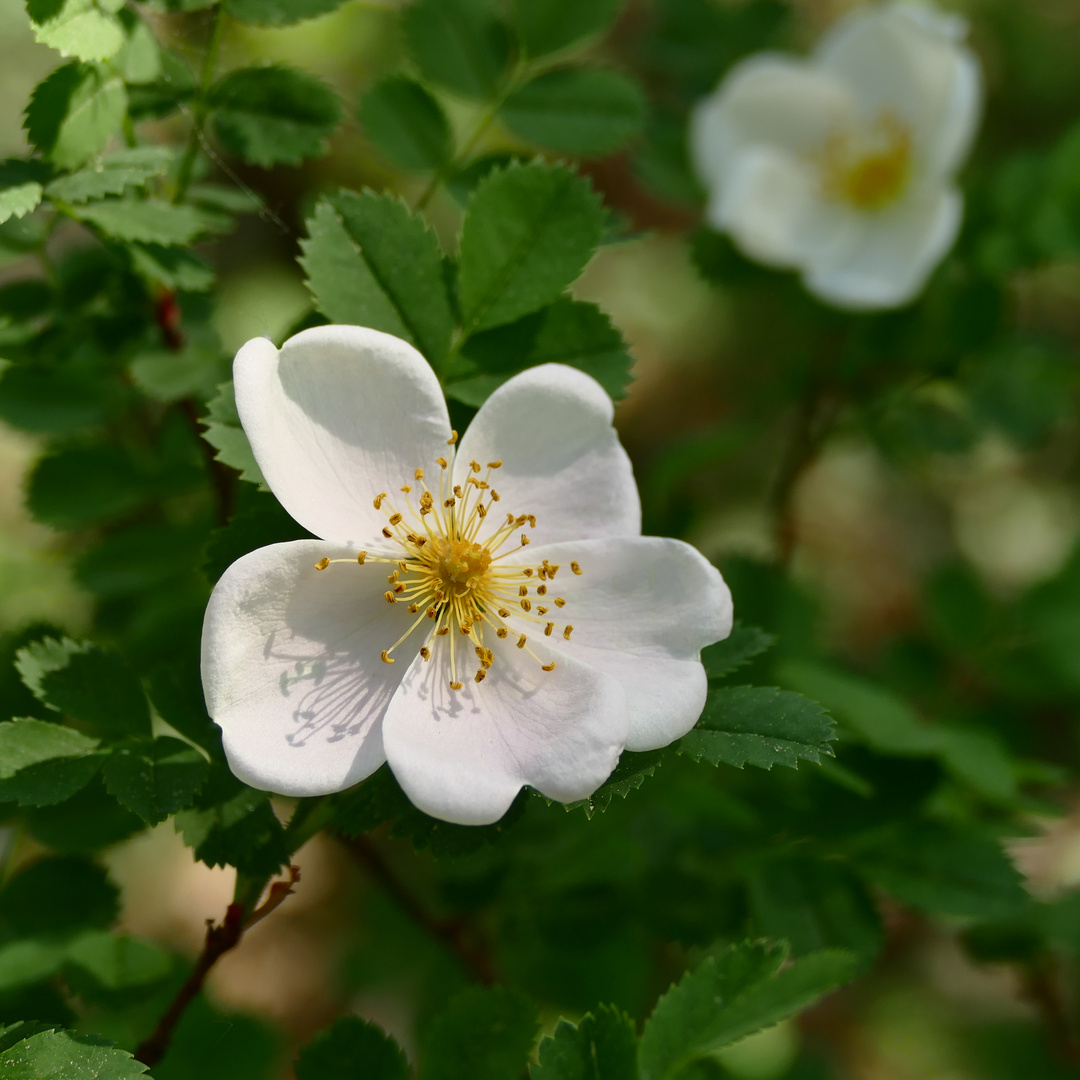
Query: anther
[(494, 495), (532, 521), (399, 588), (458, 493), (390, 597), (361, 557), (448, 503), (452, 439), (523, 590), (392, 579), (527, 572), (443, 632), (501, 632), (386, 657), (560, 602), (547, 629), (481, 509), (548, 667), (425, 652), (481, 675), (406, 488), (567, 631), (495, 464), (526, 605), (541, 590), (387, 533), (474, 465), (395, 519), (465, 628), (503, 613), (575, 568), (378, 500), (456, 685), (322, 564), (414, 608), (521, 642), (441, 461), (419, 474), (541, 610)]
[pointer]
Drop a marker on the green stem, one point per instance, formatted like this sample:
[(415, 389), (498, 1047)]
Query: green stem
[(487, 118), (199, 113)]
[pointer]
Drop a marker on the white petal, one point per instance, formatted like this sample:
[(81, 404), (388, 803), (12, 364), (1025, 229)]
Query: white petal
[(339, 415), (770, 100), (897, 252), (291, 667), (772, 207), (561, 458), (908, 61), (462, 755), (642, 610)]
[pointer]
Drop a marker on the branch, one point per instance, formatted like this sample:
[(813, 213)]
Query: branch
[(453, 934), (219, 940)]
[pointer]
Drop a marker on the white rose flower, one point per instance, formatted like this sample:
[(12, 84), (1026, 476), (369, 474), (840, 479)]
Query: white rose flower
[(842, 165), (481, 614)]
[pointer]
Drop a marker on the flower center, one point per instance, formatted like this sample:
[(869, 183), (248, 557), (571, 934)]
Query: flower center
[(450, 570), (870, 169)]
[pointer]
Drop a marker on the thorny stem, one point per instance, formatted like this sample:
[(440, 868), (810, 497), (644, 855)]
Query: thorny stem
[(219, 940), (310, 816), (451, 933), (486, 120), (813, 421), (199, 113)]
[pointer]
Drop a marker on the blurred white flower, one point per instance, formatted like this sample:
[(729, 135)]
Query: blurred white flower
[(482, 615), (842, 165)]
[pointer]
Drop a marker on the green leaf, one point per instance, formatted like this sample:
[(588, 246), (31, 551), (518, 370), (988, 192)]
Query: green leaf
[(175, 268), (813, 904), (274, 115), (737, 649), (89, 820), (224, 433), (351, 1048), (43, 763), (379, 799), (43, 398), (407, 124), (155, 777), (38, 901), (10, 1034), (176, 692), (546, 26), (85, 29), (259, 520), (762, 726), (117, 961), (459, 44), (64, 1055), (482, 1034), (75, 112), (111, 175), (631, 772), (731, 996), (20, 187), (585, 111), (139, 60), (29, 961), (947, 871), (148, 221), (888, 724), (279, 12), (370, 262), (241, 832), (566, 332), (86, 682), (603, 1046), (528, 232)]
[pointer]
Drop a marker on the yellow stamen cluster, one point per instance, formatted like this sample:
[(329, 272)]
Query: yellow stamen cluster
[(871, 170), (450, 577)]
